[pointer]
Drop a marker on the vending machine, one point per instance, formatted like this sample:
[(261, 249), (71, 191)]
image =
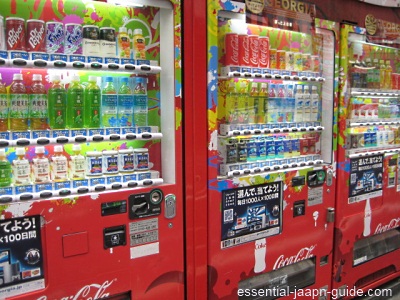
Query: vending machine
[(272, 74), (367, 237), (91, 150)]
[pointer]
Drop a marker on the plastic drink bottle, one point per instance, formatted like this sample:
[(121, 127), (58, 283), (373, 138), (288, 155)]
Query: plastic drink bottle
[(299, 103), (243, 103), (19, 105), (75, 111), (290, 103), (77, 164), (5, 170), (263, 98), (388, 75), (306, 104), (367, 218), (21, 168), (260, 250), (59, 165), (3, 106), (41, 166), (382, 74), (109, 104), (125, 104), (253, 103), (140, 108), (231, 104), (282, 107), (315, 104), (92, 104), (376, 74), (38, 112), (139, 44), (124, 43), (57, 104), (272, 104)]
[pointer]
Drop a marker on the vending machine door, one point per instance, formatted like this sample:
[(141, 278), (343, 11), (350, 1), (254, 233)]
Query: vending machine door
[(91, 185)]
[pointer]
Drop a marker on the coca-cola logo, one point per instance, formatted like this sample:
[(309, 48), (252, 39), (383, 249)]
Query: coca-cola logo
[(235, 50), (391, 225), (254, 46), (14, 36), (246, 51), (89, 292), (304, 253), (260, 245), (264, 52), (35, 36)]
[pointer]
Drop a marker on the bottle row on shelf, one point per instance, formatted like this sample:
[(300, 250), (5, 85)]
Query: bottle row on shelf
[(122, 102), (261, 103), (45, 170), (35, 38), (373, 108), (248, 149), (379, 136)]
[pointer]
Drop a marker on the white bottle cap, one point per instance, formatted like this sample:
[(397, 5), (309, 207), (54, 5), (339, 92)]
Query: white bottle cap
[(122, 29), (263, 85), (36, 77), (254, 84), (0, 73), (242, 84), (76, 78), (137, 31), (20, 151), (2, 152), (76, 147), (93, 78), (58, 148), (55, 77), (314, 88), (306, 88), (39, 150), (17, 77)]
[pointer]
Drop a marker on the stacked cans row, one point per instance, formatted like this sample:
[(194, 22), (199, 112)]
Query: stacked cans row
[(369, 109), (273, 147), (379, 138), (254, 51), (56, 38)]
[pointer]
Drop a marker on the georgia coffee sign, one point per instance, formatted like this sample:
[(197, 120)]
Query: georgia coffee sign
[(388, 3), (381, 31)]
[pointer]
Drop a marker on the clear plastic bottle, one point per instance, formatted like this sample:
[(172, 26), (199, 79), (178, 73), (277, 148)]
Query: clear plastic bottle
[(19, 104), (4, 107), (272, 104), (243, 103), (92, 104), (109, 103), (376, 74), (290, 103), (231, 103), (75, 102), (77, 166), (382, 74), (253, 102), (21, 168), (315, 104), (140, 105), (38, 112), (299, 104), (5, 169), (139, 44), (125, 104), (57, 103), (124, 43), (306, 104), (282, 107), (263, 96), (59, 165), (388, 75), (40, 166)]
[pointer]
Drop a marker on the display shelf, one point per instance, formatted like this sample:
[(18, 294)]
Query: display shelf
[(271, 76), (360, 152), (372, 122), (227, 131), (374, 92)]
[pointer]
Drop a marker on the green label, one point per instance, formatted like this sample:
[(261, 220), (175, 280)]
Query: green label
[(3, 106), (19, 106), (38, 106)]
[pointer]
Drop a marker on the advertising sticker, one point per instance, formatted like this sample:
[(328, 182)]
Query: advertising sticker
[(250, 213)]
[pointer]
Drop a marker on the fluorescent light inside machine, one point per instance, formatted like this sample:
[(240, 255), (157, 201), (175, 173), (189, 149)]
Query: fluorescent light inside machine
[(141, 3), (125, 3)]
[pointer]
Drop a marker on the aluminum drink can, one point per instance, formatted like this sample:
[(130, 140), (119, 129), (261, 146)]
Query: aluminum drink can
[(306, 57), (108, 45), (254, 48), (73, 39), (141, 159), (15, 34), (244, 50), (289, 60), (2, 35), (91, 41), (264, 52), (36, 36), (273, 59), (281, 59), (231, 49), (298, 61), (54, 37), (395, 82), (315, 66)]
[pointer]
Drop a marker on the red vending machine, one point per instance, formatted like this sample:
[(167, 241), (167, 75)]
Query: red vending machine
[(91, 150), (367, 237), (272, 73)]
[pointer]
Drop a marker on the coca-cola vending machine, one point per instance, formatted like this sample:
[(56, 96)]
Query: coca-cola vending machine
[(271, 149), (367, 237), (91, 150)]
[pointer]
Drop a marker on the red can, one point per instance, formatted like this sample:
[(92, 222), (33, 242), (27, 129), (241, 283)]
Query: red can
[(244, 50), (15, 34), (395, 81), (263, 54), (231, 49), (36, 36), (254, 47)]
